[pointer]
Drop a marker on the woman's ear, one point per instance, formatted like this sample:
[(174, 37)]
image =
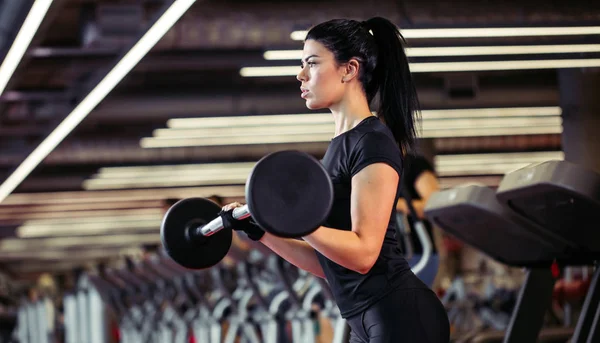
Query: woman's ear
[(351, 69)]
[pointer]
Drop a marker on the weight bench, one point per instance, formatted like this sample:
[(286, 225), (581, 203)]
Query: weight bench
[(562, 197)]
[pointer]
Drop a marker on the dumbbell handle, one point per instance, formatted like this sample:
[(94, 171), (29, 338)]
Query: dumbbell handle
[(216, 224)]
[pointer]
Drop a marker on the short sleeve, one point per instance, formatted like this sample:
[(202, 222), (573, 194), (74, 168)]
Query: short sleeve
[(375, 147)]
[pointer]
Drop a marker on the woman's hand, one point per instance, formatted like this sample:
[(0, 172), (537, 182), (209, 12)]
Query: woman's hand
[(246, 225), (231, 206)]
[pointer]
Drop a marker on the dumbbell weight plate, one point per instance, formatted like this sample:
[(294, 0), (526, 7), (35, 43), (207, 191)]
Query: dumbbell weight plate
[(289, 193), (198, 253)]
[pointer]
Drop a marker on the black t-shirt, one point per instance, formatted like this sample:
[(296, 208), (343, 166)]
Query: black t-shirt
[(367, 143), (414, 166)]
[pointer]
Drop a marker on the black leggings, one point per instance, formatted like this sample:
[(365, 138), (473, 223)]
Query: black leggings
[(405, 315)]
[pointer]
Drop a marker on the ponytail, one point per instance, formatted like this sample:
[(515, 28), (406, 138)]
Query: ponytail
[(398, 101)]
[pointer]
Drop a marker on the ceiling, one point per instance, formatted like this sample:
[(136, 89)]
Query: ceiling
[(194, 71)]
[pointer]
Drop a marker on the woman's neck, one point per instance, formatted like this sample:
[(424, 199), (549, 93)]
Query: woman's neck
[(348, 114)]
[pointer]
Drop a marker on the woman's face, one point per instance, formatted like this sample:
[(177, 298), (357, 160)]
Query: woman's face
[(320, 77)]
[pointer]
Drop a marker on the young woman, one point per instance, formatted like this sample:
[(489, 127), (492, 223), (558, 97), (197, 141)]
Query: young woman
[(345, 65)]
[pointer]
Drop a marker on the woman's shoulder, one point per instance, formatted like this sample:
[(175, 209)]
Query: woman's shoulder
[(378, 136)]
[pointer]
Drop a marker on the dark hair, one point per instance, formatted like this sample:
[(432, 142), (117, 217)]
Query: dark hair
[(379, 47)]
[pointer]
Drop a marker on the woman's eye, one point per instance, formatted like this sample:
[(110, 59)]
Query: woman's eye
[(310, 64)]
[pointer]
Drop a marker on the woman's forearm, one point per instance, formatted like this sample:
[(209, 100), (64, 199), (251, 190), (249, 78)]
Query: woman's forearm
[(296, 252)]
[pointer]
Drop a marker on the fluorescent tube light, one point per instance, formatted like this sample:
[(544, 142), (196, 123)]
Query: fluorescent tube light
[(98, 200), (279, 55), (484, 32), (480, 122), (431, 67), (446, 165), (153, 182), (66, 254), (494, 163), (111, 225), (121, 69), (326, 118), (30, 26), (114, 240), (32, 214), (150, 142), (491, 112), (112, 220), (276, 119), (428, 125), (154, 142)]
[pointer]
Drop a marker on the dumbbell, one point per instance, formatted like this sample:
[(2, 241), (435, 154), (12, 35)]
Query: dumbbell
[(288, 193)]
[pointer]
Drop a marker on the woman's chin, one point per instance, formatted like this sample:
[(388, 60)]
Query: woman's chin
[(313, 105)]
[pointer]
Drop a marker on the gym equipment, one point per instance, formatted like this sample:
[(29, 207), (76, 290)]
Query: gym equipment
[(560, 196), (427, 265), (564, 198), (87, 311), (547, 335), (341, 329), (35, 321), (289, 194), (293, 291), (504, 232), (473, 214)]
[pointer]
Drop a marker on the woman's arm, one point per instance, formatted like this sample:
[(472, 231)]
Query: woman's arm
[(372, 201), (296, 252), (426, 184)]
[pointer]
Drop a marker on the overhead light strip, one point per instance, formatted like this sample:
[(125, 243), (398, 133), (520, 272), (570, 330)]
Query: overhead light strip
[(121, 69), (427, 125), (115, 213), (114, 240), (150, 142), (450, 165), (245, 167), (98, 200), (326, 118), (66, 254), (488, 164), (431, 67), (180, 181), (484, 32), (317, 127), (491, 112), (107, 220), (209, 167), (31, 24), (29, 230), (281, 55), (278, 138), (509, 157)]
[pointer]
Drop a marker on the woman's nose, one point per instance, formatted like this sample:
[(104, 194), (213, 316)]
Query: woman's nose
[(301, 76)]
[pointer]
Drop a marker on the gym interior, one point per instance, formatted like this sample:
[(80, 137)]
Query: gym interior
[(114, 111)]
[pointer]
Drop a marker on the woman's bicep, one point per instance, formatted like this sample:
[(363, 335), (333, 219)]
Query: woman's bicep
[(373, 194)]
